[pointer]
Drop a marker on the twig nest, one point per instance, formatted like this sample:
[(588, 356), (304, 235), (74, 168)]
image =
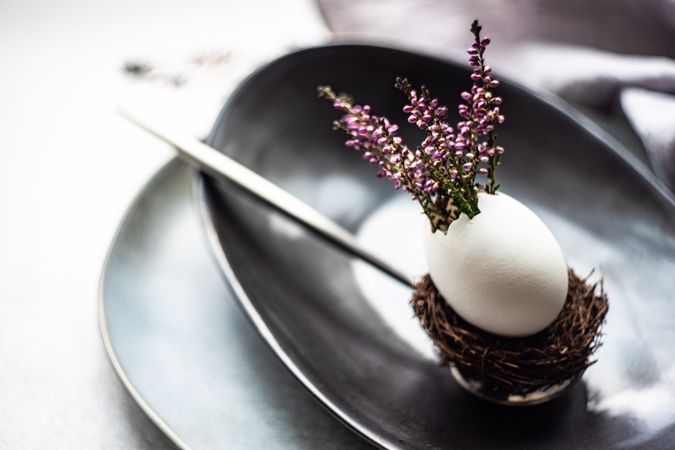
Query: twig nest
[(502, 271), (517, 366)]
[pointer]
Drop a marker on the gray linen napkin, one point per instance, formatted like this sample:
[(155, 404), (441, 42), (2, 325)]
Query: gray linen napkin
[(591, 52)]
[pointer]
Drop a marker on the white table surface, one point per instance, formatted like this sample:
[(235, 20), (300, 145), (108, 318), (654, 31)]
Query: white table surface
[(70, 168)]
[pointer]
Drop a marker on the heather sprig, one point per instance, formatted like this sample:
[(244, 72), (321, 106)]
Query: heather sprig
[(441, 172), (481, 112), (377, 140)]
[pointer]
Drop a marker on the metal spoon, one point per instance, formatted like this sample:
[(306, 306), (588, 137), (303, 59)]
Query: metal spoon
[(215, 163)]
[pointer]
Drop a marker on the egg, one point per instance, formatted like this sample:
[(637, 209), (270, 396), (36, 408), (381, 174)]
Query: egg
[(502, 271)]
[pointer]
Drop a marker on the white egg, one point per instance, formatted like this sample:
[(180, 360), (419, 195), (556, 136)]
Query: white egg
[(502, 271)]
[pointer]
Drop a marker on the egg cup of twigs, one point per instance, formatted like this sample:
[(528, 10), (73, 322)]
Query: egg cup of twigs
[(517, 371)]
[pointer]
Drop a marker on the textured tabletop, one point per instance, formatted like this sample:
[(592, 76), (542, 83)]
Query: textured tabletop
[(70, 168)]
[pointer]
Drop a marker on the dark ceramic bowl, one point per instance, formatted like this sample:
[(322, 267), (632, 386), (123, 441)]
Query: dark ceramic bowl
[(314, 305)]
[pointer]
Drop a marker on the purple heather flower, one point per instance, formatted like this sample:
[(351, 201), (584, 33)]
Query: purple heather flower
[(445, 158)]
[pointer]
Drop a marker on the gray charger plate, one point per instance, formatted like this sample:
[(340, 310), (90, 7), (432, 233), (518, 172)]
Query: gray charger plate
[(181, 346), (327, 317)]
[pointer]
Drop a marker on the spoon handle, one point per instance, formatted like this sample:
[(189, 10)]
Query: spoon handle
[(215, 163)]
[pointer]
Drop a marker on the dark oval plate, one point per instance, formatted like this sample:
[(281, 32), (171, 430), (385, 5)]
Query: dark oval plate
[(345, 330)]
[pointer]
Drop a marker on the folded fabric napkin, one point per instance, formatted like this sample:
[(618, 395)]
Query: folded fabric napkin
[(593, 53)]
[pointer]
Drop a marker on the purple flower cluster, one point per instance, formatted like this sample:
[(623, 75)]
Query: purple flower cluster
[(481, 114), (377, 140), (429, 116), (441, 172)]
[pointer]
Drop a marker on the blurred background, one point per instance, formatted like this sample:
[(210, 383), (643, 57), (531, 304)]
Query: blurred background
[(70, 167)]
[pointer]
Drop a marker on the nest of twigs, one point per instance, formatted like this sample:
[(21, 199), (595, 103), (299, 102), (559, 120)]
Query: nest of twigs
[(560, 353)]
